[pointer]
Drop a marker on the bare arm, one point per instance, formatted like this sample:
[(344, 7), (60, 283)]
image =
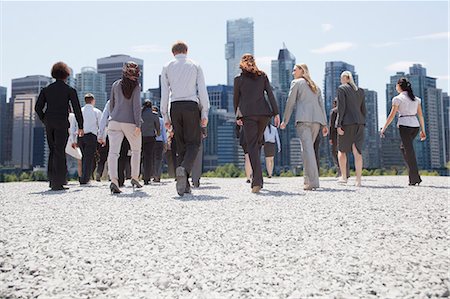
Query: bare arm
[(389, 119)]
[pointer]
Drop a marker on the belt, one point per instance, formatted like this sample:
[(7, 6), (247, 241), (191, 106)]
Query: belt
[(406, 115)]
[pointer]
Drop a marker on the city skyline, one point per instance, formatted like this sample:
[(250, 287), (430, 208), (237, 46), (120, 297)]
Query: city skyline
[(378, 49)]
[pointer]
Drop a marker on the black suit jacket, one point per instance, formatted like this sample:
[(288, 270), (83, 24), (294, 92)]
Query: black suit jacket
[(333, 130), (351, 106), (55, 100), (249, 95)]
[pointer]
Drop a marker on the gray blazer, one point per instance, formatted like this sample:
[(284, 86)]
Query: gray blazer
[(351, 106), (309, 105)]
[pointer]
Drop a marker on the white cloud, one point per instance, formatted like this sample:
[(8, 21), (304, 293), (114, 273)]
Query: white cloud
[(444, 77), (385, 45), (326, 27), (335, 47), (148, 49), (438, 35), (402, 66)]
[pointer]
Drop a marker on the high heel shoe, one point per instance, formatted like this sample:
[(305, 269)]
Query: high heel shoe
[(135, 184), (114, 189), (416, 183)]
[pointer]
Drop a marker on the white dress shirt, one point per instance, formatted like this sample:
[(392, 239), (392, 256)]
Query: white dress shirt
[(102, 130), (91, 117), (407, 110), (272, 136), (182, 80)]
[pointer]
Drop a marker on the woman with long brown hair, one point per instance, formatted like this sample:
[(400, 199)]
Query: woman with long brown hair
[(125, 121), (250, 88), (310, 117)]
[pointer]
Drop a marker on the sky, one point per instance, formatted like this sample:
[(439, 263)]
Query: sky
[(378, 38)]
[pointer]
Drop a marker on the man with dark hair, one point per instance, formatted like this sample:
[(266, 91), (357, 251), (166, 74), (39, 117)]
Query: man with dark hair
[(88, 143), (183, 82), (52, 107), (150, 129)]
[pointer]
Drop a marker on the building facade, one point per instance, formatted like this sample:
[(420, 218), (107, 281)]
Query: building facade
[(89, 81), (112, 67), (240, 40)]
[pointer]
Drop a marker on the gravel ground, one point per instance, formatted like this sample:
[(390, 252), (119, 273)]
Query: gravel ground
[(384, 240)]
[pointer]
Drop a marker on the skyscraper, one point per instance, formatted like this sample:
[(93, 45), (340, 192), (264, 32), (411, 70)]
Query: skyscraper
[(371, 151), (91, 81), (221, 97), (333, 71), (3, 122), (240, 40), (26, 85), (430, 153), (446, 102), (112, 67), (24, 143), (281, 81)]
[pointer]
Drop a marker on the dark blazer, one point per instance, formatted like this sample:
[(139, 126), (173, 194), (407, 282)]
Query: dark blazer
[(333, 130), (249, 95), (150, 125), (55, 99), (351, 106)]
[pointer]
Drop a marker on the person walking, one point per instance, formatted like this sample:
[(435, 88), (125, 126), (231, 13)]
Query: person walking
[(103, 142), (408, 108), (350, 123), (88, 143), (310, 117), (198, 163), (125, 121), (270, 137), (333, 140), (183, 82), (52, 108), (150, 129), (250, 88), (160, 148)]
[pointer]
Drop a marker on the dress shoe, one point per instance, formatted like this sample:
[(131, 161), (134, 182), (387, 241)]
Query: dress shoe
[(309, 188), (59, 188)]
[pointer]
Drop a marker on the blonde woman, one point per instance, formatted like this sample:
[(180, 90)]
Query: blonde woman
[(310, 118), (350, 122)]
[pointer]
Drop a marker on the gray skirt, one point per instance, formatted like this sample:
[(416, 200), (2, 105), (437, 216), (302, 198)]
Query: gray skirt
[(353, 134), (269, 149)]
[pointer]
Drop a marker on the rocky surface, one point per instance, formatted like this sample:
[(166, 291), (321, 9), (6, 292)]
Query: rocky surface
[(384, 240)]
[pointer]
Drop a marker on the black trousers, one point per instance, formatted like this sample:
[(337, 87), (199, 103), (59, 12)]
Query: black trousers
[(407, 135), (148, 148), (185, 116), (157, 159), (254, 127), (57, 136), (88, 145), (124, 161), (102, 157)]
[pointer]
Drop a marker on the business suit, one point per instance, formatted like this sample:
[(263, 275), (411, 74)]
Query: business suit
[(309, 117), (351, 117), (150, 129), (334, 142), (249, 97), (55, 99)]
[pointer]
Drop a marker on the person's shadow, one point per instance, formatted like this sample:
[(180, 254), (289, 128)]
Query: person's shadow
[(192, 197), (278, 193), (51, 192)]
